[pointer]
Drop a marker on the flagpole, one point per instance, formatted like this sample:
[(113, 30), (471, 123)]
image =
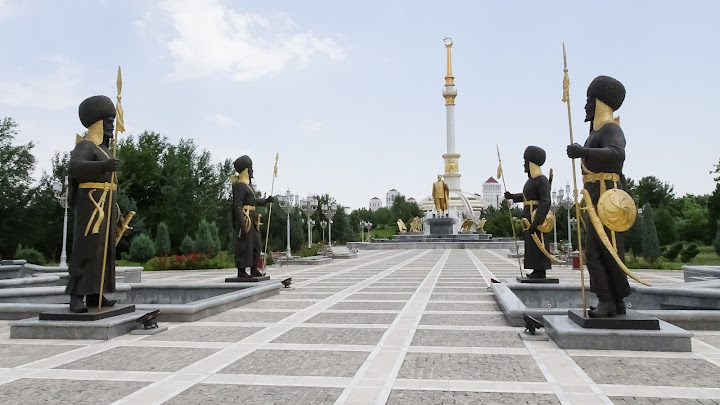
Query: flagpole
[(566, 99), (272, 190), (501, 174), (119, 126)]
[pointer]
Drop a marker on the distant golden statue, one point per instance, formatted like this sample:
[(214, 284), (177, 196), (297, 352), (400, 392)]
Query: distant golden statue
[(441, 195), (481, 225), (416, 225), (467, 225), (401, 226)]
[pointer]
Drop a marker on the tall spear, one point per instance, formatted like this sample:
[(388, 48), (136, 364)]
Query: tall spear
[(119, 126), (566, 99), (512, 226), (272, 190)]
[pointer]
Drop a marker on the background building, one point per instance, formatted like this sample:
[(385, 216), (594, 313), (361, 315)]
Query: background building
[(390, 197), (492, 192), (375, 203)]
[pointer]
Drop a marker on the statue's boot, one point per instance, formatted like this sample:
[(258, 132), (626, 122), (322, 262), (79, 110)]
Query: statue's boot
[(92, 301), (605, 309), (242, 274), (537, 274), (76, 304), (254, 272), (620, 306)]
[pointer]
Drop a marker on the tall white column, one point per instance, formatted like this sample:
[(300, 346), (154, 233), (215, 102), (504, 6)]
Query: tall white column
[(452, 169)]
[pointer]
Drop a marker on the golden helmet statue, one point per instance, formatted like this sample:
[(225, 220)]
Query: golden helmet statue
[(617, 210)]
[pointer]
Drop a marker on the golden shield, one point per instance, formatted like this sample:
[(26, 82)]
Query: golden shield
[(617, 210)]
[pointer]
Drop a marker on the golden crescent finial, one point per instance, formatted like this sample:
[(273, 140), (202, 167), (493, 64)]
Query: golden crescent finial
[(445, 40)]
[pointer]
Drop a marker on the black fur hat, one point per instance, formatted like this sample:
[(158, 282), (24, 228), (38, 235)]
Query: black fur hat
[(94, 109), (242, 163), (608, 90), (535, 154)]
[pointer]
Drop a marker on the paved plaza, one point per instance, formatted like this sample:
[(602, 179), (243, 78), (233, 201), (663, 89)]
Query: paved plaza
[(395, 327)]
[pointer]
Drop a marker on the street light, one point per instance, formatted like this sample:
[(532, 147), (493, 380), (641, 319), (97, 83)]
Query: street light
[(329, 211), (288, 203), (368, 225), (323, 224), (308, 206), (554, 207), (61, 194)]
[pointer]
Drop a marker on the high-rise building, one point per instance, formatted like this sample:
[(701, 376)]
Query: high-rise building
[(492, 192), (375, 203)]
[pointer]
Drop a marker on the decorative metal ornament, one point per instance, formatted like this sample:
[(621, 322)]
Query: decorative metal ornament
[(617, 210)]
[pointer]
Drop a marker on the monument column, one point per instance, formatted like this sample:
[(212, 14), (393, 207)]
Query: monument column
[(452, 172)]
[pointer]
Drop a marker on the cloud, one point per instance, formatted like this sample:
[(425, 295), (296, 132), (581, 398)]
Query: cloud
[(212, 38), (55, 90), (222, 120), (311, 126)]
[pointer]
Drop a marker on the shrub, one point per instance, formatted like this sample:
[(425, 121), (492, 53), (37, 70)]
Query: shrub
[(689, 253), (306, 251), (716, 242), (162, 240), (204, 240), (187, 246), (192, 261), (30, 255), (672, 253), (142, 248), (215, 237)]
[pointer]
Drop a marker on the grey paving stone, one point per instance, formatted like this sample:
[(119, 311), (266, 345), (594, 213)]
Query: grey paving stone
[(298, 294), (28, 391), (390, 306), (245, 316), (344, 318), (135, 358), (299, 362), (255, 395), (462, 306), (469, 366), (4, 327), (662, 401), (713, 340), (278, 304), (463, 319), (452, 290), (331, 336), (408, 290), (13, 355), (463, 297), (466, 338), (198, 333), (422, 397), (380, 296), (650, 371)]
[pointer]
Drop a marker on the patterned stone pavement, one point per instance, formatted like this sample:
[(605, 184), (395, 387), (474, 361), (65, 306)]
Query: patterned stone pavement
[(395, 327)]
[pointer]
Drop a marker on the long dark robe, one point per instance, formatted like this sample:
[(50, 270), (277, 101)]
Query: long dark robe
[(247, 242), (537, 189), (86, 259), (606, 154)]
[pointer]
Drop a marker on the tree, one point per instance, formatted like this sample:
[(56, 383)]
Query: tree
[(187, 246), (689, 253), (634, 237), (694, 224), (650, 190), (713, 207), (16, 169), (650, 243), (204, 239), (716, 242), (665, 226), (142, 248), (382, 216), (162, 240)]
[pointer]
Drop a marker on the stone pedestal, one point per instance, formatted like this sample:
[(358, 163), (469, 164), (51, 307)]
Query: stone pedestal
[(631, 320), (93, 313), (441, 226), (101, 329), (246, 279), (546, 280)]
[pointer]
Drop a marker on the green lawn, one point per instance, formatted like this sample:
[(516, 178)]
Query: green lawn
[(383, 233), (127, 263), (706, 257)]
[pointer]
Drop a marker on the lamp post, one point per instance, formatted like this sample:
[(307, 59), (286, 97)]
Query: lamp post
[(362, 228), (61, 194), (323, 224), (368, 225), (553, 207), (308, 207), (329, 211), (288, 203)]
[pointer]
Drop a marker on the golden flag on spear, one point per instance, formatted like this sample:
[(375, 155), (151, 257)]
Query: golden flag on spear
[(119, 120), (277, 156), (499, 169)]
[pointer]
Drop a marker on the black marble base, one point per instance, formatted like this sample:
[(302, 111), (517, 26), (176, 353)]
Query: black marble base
[(631, 320), (246, 279), (441, 226), (546, 280), (93, 314)]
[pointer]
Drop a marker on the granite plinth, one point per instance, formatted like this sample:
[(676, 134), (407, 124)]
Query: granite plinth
[(93, 313), (441, 226), (631, 320), (569, 335), (546, 280), (101, 329), (246, 279)]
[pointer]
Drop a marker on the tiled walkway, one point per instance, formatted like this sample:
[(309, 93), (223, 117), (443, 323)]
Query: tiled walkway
[(395, 327)]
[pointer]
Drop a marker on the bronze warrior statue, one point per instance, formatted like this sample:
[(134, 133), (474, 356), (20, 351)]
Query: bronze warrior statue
[(245, 220), (608, 210), (536, 211), (92, 196)]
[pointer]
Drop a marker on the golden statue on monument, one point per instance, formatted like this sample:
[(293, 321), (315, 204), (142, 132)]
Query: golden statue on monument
[(416, 225), (441, 195), (401, 226)]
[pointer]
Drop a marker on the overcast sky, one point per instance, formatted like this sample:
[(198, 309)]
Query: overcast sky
[(349, 92)]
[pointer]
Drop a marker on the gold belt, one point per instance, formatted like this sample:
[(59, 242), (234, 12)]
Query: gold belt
[(99, 205), (530, 202), (249, 207), (601, 177), (99, 186)]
